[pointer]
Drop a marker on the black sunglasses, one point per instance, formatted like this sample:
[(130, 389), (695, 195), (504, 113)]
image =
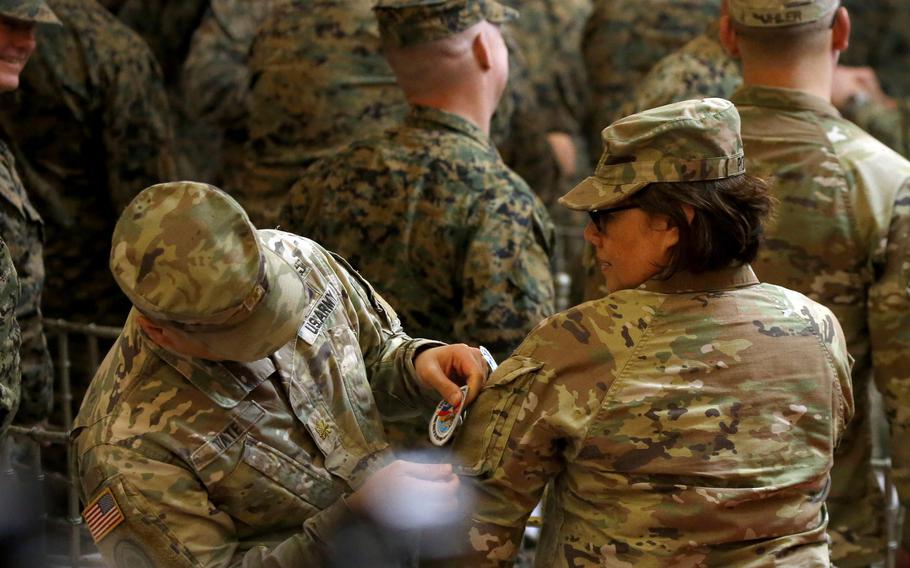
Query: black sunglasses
[(598, 214)]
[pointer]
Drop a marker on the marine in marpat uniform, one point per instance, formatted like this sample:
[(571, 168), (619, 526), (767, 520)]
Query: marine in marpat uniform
[(841, 234), (238, 419), (20, 225), (9, 340), (690, 417), (428, 211), (89, 128)]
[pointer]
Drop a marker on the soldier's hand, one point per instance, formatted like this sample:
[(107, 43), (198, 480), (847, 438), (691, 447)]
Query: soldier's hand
[(408, 495), (448, 367)]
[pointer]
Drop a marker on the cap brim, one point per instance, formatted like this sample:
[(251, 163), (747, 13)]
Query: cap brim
[(593, 193), (273, 323)]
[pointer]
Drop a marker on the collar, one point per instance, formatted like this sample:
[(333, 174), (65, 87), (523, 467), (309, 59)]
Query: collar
[(686, 282), (783, 99), (225, 383), (433, 118)]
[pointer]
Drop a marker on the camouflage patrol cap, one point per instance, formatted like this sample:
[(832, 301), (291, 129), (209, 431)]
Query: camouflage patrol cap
[(403, 23), (695, 140), (187, 256), (780, 13), (28, 10)]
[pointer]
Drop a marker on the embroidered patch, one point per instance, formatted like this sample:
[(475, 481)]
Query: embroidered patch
[(102, 515), (315, 320), (446, 420)]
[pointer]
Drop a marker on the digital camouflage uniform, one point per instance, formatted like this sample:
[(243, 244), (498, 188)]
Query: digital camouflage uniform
[(623, 39), (218, 464), (319, 80), (688, 422), (841, 235), (89, 127), (21, 230), (446, 232), (9, 340)]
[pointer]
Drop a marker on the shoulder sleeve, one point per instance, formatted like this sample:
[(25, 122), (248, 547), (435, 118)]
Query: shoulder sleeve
[(9, 340)]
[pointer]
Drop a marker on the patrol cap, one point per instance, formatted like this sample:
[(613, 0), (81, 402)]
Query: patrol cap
[(186, 255), (780, 13), (697, 140), (28, 10), (403, 23)]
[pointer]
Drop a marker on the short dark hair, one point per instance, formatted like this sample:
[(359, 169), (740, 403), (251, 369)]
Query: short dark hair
[(728, 226)]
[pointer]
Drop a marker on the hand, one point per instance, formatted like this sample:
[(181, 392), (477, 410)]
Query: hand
[(448, 367), (563, 148), (850, 82), (408, 495)]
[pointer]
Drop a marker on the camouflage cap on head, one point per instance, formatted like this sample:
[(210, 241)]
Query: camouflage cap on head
[(779, 13), (29, 11), (186, 255), (403, 23), (696, 140)]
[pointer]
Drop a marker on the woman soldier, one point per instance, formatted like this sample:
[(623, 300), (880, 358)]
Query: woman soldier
[(689, 418)]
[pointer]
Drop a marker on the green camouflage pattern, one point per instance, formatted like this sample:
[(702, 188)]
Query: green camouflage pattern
[(880, 38), (689, 423), (433, 218), (22, 231), (695, 140), (701, 68), (234, 464), (623, 39), (90, 128), (9, 340), (890, 125), (186, 254), (840, 236), (779, 13), (405, 23), (549, 33), (319, 81), (29, 11)]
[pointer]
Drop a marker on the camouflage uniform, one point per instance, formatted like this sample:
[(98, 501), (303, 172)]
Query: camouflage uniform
[(623, 39), (841, 236), (21, 229), (889, 125), (687, 422), (89, 128), (218, 464), (9, 340), (318, 81), (430, 214)]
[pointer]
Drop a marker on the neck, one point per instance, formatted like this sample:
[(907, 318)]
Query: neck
[(811, 76), (467, 108)]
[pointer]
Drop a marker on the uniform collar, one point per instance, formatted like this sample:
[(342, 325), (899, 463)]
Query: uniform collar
[(225, 383), (783, 99), (686, 282), (427, 117)]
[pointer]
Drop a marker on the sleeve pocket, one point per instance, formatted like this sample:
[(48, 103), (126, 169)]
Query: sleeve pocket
[(482, 440)]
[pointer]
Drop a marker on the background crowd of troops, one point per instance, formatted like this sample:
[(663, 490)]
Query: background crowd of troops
[(246, 94)]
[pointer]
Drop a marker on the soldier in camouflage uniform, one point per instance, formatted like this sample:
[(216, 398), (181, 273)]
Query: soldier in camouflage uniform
[(427, 211), (841, 234), (9, 340), (246, 393), (20, 225), (690, 417), (623, 39), (89, 128)]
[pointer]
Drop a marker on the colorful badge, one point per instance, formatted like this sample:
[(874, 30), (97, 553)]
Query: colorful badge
[(446, 420)]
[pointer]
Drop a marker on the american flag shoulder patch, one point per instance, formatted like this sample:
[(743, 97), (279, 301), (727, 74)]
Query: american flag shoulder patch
[(102, 515)]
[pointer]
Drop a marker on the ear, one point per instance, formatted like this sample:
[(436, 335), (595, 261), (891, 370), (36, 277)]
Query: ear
[(728, 36), (840, 38), (155, 332), (481, 49)]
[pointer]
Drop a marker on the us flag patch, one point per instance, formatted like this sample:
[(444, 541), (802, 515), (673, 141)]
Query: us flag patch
[(102, 515)]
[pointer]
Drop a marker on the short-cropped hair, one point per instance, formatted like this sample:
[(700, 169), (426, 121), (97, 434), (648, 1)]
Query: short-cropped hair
[(727, 228)]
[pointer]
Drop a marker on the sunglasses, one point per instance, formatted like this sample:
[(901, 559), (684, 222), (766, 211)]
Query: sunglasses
[(597, 215)]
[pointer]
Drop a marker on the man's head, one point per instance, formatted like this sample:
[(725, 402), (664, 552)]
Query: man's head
[(785, 33), (440, 47), (17, 36), (205, 285)]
